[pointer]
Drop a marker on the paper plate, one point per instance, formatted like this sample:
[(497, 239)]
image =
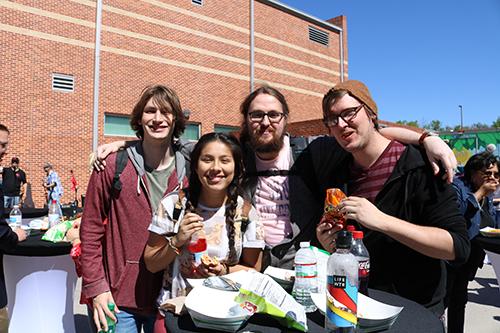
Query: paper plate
[(226, 316), (285, 277), (490, 232), (36, 224), (372, 315)]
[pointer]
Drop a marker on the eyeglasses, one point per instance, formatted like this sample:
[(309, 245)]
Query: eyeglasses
[(487, 174), (273, 116), (347, 115)]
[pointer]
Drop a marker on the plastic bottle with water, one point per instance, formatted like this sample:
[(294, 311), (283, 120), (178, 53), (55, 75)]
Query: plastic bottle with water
[(342, 288), (54, 216), (360, 251), (15, 217), (306, 274)]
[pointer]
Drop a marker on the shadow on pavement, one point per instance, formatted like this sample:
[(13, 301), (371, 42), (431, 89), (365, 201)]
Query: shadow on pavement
[(489, 294)]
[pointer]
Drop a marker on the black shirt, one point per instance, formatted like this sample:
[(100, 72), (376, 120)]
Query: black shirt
[(12, 181)]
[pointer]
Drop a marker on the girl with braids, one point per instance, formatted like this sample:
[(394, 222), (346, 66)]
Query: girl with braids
[(212, 203)]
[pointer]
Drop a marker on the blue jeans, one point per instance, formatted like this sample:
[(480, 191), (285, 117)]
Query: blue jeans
[(131, 322), (9, 202)]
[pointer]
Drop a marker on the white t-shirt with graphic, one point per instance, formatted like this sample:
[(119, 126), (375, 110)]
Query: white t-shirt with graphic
[(214, 224), (271, 196)]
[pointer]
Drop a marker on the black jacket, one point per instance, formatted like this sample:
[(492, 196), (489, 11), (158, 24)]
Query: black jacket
[(412, 193), (8, 240)]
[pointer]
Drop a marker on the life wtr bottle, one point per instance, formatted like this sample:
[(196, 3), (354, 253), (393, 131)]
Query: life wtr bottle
[(306, 274), (342, 288)]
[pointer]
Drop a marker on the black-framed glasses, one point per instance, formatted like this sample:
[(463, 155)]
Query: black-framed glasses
[(273, 116), (488, 174), (347, 115)]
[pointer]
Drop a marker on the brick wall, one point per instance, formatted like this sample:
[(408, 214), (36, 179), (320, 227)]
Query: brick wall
[(203, 52)]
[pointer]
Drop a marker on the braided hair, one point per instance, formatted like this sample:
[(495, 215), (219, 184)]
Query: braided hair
[(233, 190)]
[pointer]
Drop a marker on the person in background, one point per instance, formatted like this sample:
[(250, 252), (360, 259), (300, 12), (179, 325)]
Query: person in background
[(409, 216), (52, 185), (8, 237), (14, 184), (474, 196), (276, 185), (213, 203), (114, 227)]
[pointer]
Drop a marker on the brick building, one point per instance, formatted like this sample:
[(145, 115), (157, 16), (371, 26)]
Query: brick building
[(211, 52)]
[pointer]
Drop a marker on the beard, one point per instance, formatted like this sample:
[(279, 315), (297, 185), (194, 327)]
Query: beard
[(272, 146)]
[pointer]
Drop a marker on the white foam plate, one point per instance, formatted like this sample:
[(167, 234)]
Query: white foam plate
[(227, 315), (371, 313), (490, 232), (36, 224)]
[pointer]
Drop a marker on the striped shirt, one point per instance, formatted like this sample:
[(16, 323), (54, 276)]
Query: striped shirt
[(367, 183)]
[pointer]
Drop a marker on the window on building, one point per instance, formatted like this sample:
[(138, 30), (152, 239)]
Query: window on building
[(197, 2), (192, 132), (63, 82), (226, 129), (117, 126), (319, 36)]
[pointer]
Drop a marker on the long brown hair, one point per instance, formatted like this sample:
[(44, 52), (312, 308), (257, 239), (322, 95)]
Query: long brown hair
[(233, 190)]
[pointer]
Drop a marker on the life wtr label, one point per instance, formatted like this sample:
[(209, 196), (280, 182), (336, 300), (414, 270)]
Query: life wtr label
[(341, 301)]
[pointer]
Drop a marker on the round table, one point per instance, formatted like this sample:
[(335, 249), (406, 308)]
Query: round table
[(40, 278), (491, 244), (413, 318)]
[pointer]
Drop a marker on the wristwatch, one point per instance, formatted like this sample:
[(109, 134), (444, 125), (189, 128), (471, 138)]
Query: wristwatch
[(425, 134)]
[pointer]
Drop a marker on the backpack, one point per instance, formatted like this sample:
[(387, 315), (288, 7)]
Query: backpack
[(182, 150)]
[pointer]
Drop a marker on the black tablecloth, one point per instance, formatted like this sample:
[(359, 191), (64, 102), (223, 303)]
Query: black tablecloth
[(34, 246), (28, 213), (413, 318), (491, 244)]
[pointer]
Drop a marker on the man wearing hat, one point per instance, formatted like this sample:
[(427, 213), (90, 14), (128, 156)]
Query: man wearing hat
[(410, 218), (52, 184), (14, 184)]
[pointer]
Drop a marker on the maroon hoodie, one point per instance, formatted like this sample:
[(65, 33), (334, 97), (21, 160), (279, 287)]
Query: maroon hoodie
[(112, 252)]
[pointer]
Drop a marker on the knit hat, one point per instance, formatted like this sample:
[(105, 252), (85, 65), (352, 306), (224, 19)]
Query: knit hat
[(358, 90)]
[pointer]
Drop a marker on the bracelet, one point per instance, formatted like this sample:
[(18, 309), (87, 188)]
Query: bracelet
[(226, 267), (173, 247), (424, 135)]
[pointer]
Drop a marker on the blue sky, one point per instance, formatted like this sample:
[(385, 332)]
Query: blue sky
[(421, 59)]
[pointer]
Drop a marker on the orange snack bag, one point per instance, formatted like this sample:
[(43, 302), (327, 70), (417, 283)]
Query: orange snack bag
[(331, 212)]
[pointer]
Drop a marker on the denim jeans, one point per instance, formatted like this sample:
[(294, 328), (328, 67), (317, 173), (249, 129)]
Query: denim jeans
[(9, 202), (131, 322)]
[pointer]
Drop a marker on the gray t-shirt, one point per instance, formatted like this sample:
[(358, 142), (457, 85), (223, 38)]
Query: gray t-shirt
[(157, 182)]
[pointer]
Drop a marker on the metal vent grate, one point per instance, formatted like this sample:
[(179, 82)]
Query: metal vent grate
[(197, 2), (62, 82), (319, 36)]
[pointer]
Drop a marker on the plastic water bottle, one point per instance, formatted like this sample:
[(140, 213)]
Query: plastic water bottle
[(54, 217), (15, 217), (111, 323), (360, 251), (198, 245), (342, 288), (306, 275)]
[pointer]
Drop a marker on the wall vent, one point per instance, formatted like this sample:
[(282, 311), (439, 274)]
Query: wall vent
[(319, 36), (197, 2), (63, 82)]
